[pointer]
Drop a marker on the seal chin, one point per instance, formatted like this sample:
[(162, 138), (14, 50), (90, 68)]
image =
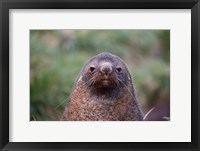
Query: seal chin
[(107, 84), (106, 81), (104, 85)]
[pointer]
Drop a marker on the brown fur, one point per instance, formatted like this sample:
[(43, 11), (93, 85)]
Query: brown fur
[(94, 99)]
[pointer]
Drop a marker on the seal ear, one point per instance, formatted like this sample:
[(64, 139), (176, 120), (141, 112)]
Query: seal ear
[(80, 78)]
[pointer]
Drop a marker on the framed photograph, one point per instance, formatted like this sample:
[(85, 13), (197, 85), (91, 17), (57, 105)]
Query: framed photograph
[(91, 75)]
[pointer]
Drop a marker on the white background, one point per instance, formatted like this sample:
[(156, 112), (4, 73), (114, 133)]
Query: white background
[(179, 127)]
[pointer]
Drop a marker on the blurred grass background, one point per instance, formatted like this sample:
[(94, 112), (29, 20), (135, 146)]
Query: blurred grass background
[(57, 56)]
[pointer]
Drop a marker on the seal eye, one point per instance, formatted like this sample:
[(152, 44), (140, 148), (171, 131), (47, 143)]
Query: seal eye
[(119, 69), (92, 68)]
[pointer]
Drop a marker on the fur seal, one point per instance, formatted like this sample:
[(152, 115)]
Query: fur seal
[(103, 91)]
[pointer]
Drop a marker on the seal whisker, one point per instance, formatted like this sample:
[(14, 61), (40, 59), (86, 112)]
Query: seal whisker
[(87, 82), (82, 85), (125, 86), (61, 103)]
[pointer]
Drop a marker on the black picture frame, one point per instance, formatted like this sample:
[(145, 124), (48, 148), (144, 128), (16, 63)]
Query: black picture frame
[(5, 5)]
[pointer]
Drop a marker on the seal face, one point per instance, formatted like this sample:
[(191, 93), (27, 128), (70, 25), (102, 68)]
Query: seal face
[(103, 91), (105, 74)]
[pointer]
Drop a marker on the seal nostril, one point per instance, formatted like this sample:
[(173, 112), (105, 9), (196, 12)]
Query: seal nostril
[(106, 70)]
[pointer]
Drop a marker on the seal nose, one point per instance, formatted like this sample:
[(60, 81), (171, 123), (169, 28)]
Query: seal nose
[(106, 70)]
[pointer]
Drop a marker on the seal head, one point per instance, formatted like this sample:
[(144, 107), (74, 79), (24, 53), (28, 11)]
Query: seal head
[(105, 74)]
